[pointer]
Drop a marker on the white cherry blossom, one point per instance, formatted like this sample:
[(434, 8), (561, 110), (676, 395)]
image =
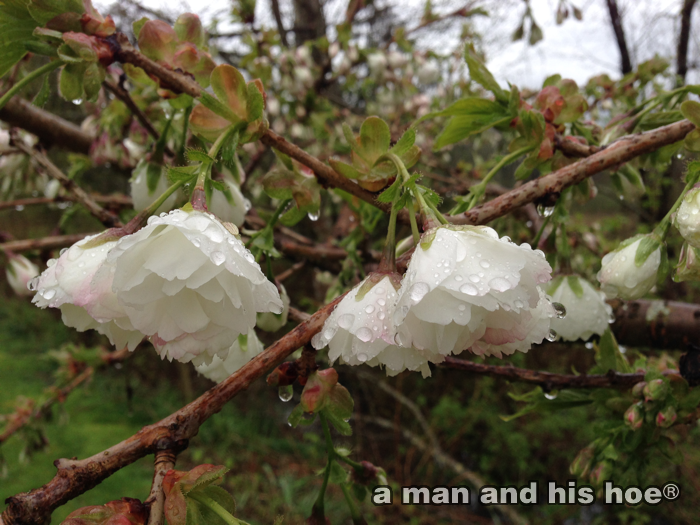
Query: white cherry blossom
[(361, 330), (85, 300), (688, 217), (189, 284), (467, 289), (20, 271)]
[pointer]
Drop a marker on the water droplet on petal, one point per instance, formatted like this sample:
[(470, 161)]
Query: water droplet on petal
[(31, 285), (551, 336), (364, 334), (49, 294), (499, 284), (196, 243), (50, 263), (77, 101), (369, 309), (518, 303), (469, 289), (560, 310), (459, 278), (362, 357), (418, 291), (218, 258), (286, 393), (329, 332), (484, 264), (345, 321)]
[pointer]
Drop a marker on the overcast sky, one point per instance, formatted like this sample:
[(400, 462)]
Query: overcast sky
[(574, 49)]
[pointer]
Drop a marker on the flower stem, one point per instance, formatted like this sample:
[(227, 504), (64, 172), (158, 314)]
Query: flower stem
[(664, 226), (478, 190), (388, 260), (319, 505), (355, 514), (537, 238), (430, 218), (136, 223), (183, 140), (46, 68), (214, 506)]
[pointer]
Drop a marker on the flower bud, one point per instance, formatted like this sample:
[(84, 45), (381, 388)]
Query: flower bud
[(369, 474), (638, 389), (20, 271), (632, 269), (318, 386), (666, 417), (583, 462), (600, 473), (634, 418), (688, 268), (587, 313), (688, 217), (656, 390)]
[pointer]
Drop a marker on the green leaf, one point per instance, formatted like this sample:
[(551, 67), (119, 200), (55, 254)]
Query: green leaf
[(185, 174), (153, 172), (255, 102), (44, 10), (691, 111), (219, 108), (137, 25), (230, 88), (405, 143), (389, 194), (344, 169), (482, 76), (43, 96), (648, 245), (92, 80), (197, 155), (339, 408), (338, 474), (470, 116), (375, 139), (71, 81), (16, 28), (610, 357)]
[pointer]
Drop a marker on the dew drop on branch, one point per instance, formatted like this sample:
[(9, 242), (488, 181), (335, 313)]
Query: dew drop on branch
[(545, 211)]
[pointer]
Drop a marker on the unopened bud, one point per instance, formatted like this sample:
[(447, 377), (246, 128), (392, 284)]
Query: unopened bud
[(666, 417), (656, 390), (634, 418)]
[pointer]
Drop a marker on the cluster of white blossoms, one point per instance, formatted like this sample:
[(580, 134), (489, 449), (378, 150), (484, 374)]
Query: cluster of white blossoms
[(464, 289), (185, 281)]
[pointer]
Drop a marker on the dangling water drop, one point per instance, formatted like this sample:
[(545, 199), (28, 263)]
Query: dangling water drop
[(545, 211), (77, 101), (589, 345), (31, 285), (218, 258), (362, 357), (611, 318), (560, 309), (313, 216), (551, 395), (364, 334), (286, 393), (551, 336)]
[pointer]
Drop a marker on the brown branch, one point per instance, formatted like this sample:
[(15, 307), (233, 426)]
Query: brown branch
[(682, 52), (123, 95), (623, 150), (44, 243), (121, 201), (50, 129), (571, 148), (616, 21), (60, 393), (75, 477), (163, 462), (107, 218), (547, 380), (278, 20)]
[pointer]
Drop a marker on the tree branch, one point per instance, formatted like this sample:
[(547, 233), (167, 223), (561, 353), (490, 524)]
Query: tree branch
[(75, 477), (44, 243), (682, 53), (121, 201), (51, 129), (105, 217), (616, 21), (278, 20)]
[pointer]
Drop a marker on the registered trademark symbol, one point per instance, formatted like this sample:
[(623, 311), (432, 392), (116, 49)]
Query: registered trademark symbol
[(671, 491)]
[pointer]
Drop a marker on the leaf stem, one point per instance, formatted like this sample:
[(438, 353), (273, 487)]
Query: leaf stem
[(215, 507), (355, 514), (135, 223), (46, 68), (319, 505)]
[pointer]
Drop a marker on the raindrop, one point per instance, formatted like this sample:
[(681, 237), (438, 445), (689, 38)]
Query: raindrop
[(381, 316), (458, 278), (551, 336), (474, 278), (49, 294), (369, 309), (381, 302), (329, 332), (249, 257), (218, 258), (518, 303), (362, 357), (469, 289), (397, 340), (63, 250), (286, 393), (418, 291), (196, 243), (77, 101), (81, 264), (484, 264), (50, 263), (589, 345), (560, 309), (611, 318), (31, 285), (19, 207), (545, 211), (364, 334), (313, 216), (461, 307), (345, 321), (499, 284), (551, 395)]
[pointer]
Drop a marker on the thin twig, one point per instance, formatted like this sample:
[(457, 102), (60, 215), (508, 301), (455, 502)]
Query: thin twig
[(163, 462), (122, 201), (105, 217)]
